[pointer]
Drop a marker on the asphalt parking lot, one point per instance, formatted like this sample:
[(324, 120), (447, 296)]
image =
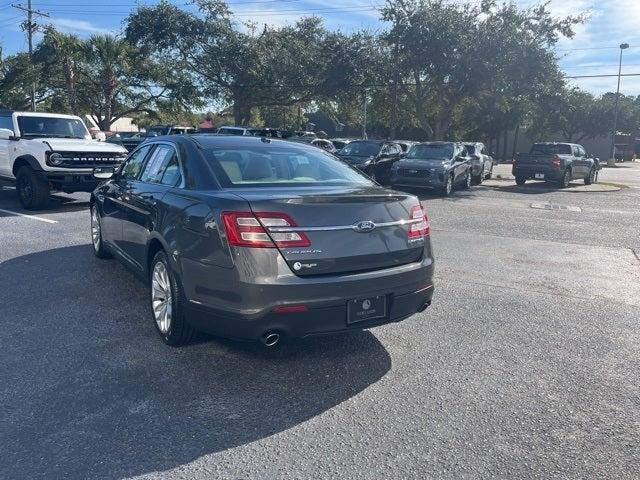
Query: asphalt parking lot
[(527, 365)]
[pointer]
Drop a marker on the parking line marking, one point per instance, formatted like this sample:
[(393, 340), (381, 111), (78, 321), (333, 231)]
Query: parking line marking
[(33, 217)]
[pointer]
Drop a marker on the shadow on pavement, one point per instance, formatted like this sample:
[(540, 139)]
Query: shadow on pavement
[(57, 203), (89, 391)]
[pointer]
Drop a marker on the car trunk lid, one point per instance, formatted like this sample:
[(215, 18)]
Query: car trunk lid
[(348, 229)]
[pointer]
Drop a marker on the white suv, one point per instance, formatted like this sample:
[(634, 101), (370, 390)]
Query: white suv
[(44, 152)]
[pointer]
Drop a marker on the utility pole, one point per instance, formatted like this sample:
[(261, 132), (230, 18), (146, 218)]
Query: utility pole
[(364, 120), (612, 158), (31, 27)]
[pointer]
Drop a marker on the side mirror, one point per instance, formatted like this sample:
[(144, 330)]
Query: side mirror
[(6, 134), (103, 173)]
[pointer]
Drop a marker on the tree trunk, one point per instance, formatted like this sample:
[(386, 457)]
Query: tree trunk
[(505, 141), (516, 134), (497, 151), (241, 110)]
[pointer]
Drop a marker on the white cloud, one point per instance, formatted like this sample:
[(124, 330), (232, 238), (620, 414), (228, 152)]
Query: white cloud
[(77, 26)]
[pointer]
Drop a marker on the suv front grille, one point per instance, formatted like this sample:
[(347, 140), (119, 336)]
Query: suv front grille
[(87, 159), (412, 172)]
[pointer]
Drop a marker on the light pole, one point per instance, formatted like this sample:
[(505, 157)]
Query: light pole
[(612, 158)]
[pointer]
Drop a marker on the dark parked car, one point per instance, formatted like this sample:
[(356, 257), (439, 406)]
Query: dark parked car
[(253, 238), (373, 157), (131, 142), (340, 143), (556, 162), (438, 166), (481, 162), (405, 145)]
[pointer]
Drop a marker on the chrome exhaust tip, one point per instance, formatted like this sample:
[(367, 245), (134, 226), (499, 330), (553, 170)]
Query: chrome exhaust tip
[(270, 339), (424, 307)]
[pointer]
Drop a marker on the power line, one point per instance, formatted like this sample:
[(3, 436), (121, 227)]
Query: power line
[(30, 26)]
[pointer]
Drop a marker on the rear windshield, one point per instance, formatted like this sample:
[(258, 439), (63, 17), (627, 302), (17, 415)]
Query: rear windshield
[(551, 149), (278, 165), (436, 150), (361, 149)]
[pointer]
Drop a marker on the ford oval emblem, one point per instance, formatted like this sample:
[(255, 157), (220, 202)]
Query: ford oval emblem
[(364, 226)]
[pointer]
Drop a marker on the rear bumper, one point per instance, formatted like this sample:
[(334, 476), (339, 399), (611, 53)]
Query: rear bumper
[(318, 320), (244, 309), (530, 171)]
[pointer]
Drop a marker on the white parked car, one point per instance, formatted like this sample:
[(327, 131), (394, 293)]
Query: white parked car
[(45, 152)]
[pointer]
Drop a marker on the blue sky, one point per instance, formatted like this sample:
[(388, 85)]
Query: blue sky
[(592, 51)]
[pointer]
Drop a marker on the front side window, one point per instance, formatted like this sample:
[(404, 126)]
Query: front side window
[(431, 151), (133, 165), (34, 126), (279, 165)]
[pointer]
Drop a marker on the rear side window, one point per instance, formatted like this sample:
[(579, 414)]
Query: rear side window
[(551, 149), (133, 165), (157, 163), (471, 149), (280, 165)]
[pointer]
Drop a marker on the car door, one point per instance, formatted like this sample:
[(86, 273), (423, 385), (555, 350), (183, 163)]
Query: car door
[(486, 159), (113, 193), (580, 163), (6, 121), (461, 164), (388, 156), (142, 202)]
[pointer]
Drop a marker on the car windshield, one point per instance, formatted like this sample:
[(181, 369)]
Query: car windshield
[(268, 167), (551, 149), (231, 131), (430, 151), (32, 126), (361, 149)]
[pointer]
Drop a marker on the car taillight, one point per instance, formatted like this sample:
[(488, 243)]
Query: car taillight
[(247, 229), (555, 161), (421, 228)]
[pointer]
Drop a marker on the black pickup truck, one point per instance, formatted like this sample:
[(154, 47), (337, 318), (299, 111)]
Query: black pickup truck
[(555, 162)]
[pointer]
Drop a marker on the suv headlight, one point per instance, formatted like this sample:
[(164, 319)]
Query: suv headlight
[(55, 159)]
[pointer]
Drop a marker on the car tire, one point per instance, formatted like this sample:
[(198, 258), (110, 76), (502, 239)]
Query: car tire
[(99, 248), (447, 188), (566, 178), (477, 179), (33, 192), (520, 181), (592, 177), (168, 303), (466, 185)]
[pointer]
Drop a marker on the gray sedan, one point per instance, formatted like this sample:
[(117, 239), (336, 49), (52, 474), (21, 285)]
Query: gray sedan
[(255, 238)]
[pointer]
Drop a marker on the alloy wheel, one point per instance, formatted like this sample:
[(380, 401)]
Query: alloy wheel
[(25, 190), (161, 300), (448, 187)]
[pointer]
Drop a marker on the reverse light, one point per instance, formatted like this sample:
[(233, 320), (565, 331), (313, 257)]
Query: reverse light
[(247, 229), (421, 228)]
